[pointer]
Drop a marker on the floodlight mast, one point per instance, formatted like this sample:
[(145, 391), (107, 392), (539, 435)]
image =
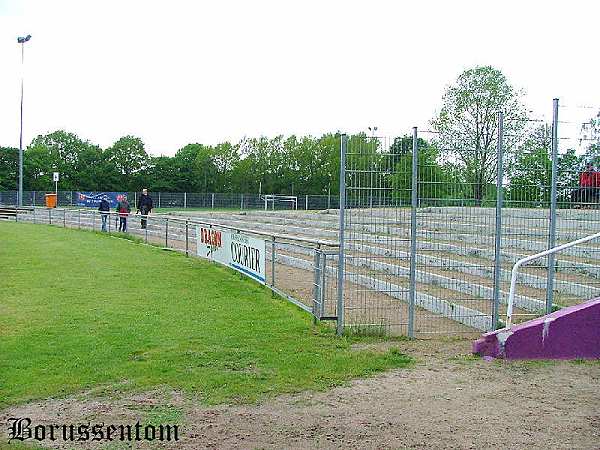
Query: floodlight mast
[(21, 40)]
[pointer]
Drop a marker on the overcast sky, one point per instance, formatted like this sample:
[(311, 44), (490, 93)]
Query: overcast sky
[(175, 72)]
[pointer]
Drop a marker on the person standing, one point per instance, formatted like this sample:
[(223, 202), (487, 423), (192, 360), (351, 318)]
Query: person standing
[(104, 209), (588, 189), (144, 207), (123, 209)]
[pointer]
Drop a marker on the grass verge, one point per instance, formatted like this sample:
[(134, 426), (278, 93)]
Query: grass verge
[(82, 310)]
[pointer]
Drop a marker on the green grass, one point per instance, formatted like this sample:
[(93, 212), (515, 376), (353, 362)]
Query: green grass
[(84, 311)]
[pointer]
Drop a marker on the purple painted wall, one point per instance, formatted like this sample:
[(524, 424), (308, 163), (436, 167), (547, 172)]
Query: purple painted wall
[(571, 333)]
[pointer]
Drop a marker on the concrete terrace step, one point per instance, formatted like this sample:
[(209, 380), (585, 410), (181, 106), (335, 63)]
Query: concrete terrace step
[(318, 228), (566, 287)]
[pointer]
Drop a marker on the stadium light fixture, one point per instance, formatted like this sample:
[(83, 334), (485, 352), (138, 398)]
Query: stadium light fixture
[(21, 40)]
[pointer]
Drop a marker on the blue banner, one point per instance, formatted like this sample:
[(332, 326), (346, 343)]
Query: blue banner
[(92, 199)]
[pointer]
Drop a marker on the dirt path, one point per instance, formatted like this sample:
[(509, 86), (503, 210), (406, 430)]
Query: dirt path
[(447, 400)]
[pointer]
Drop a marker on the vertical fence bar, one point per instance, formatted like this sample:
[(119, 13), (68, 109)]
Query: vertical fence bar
[(79, 219), (413, 236), (273, 261), (49, 216), (552, 230), (341, 254), (185, 200), (166, 233), (64, 218), (323, 283), (187, 237), (306, 204), (316, 280), (212, 201), (499, 204), (242, 202)]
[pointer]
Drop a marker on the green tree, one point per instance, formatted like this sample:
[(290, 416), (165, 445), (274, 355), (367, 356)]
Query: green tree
[(433, 179), (530, 173), (467, 124), (9, 166), (130, 160)]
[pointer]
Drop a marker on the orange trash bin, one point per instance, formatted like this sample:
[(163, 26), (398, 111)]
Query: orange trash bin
[(50, 200)]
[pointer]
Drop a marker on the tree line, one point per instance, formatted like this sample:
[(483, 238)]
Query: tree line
[(458, 160)]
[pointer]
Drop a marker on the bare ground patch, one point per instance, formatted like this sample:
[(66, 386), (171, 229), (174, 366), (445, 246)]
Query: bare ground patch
[(449, 399)]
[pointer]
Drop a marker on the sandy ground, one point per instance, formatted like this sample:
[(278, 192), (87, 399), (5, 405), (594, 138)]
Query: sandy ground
[(446, 400)]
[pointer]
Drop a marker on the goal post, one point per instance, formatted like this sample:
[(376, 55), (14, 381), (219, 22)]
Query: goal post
[(270, 200)]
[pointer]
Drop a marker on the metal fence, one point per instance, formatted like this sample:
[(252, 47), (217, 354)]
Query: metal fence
[(187, 200), (428, 232), (428, 250), (300, 269)]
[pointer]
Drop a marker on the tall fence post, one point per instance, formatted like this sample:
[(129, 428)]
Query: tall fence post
[(242, 202), (185, 200), (212, 201), (499, 204), (187, 237), (166, 233), (306, 204), (316, 284), (273, 256), (159, 199), (341, 254), (552, 230), (413, 235)]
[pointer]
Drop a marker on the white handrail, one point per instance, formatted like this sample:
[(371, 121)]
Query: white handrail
[(519, 263)]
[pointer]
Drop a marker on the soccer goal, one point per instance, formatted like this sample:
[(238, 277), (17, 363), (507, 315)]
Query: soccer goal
[(290, 201)]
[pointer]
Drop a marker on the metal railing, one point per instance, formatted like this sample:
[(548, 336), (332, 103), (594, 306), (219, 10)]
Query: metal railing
[(192, 200), (301, 269), (520, 262)]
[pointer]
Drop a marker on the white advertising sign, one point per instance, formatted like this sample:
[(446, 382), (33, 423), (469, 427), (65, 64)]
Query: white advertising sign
[(239, 251)]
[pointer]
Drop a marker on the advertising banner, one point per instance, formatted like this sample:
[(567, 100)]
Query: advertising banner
[(239, 251), (92, 199)]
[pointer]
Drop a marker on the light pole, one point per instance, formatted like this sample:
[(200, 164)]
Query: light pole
[(21, 40)]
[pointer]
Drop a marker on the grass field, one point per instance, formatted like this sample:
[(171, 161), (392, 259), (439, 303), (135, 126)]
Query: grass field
[(85, 311)]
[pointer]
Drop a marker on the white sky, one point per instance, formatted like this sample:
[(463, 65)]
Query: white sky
[(176, 72)]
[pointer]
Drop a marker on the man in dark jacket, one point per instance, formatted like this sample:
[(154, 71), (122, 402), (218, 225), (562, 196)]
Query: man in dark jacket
[(144, 207), (104, 209)]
